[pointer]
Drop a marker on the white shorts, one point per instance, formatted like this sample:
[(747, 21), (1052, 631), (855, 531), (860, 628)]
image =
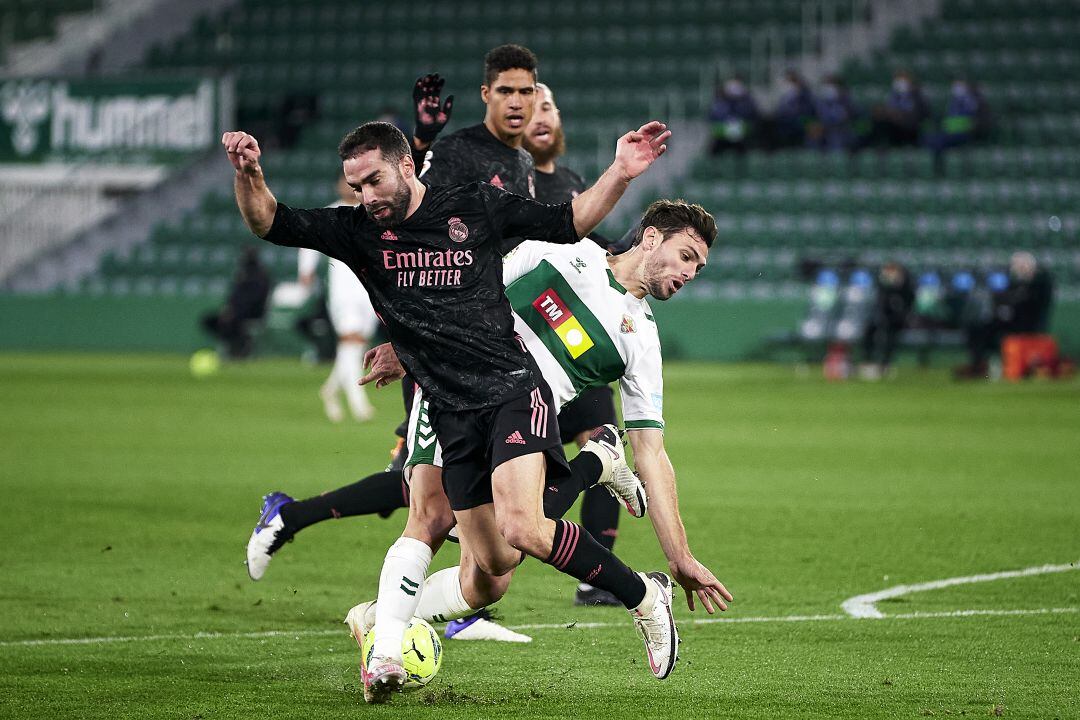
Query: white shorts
[(349, 305)]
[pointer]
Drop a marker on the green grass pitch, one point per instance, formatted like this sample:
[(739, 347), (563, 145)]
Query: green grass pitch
[(129, 489)]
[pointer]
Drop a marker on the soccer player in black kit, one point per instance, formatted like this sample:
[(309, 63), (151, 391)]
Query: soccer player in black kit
[(430, 259), (491, 151)]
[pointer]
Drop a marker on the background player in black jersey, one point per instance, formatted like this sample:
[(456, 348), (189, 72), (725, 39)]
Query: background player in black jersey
[(490, 151), (431, 261), (555, 183)]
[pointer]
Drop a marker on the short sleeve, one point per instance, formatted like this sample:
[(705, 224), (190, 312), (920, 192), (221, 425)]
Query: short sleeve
[(642, 389), (522, 259), (328, 230), (515, 218)]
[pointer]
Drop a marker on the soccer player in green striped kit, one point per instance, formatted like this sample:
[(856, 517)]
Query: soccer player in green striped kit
[(584, 317)]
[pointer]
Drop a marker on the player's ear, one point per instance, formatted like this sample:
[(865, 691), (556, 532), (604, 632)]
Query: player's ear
[(485, 93), (651, 239), (407, 166)]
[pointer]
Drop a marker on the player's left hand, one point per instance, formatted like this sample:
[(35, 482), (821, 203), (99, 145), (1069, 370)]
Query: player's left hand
[(384, 364), (431, 114), (639, 149), (696, 579)]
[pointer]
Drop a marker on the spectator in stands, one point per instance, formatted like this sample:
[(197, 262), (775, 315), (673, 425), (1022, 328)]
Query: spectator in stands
[(898, 122), (246, 304), (836, 114), (794, 112), (734, 118), (967, 120), (1021, 307), (895, 297)]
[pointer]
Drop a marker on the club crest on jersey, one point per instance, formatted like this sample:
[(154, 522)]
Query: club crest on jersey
[(532, 187), (389, 235), (458, 230), (627, 325), (496, 181)]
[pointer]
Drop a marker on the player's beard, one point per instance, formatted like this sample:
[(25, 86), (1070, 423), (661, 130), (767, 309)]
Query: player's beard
[(554, 149), (398, 204), (657, 281)]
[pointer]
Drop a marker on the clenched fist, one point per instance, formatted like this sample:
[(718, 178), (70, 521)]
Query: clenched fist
[(243, 151)]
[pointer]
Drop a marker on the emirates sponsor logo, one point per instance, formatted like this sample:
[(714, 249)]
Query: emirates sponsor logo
[(459, 231), (427, 268)]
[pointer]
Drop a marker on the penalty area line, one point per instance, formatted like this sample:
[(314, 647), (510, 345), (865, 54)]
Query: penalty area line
[(296, 634)]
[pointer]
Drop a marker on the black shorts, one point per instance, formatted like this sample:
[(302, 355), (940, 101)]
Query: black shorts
[(475, 442), (591, 409)]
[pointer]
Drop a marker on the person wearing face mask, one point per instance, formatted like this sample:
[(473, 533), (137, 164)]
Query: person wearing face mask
[(898, 122), (795, 111), (734, 118), (837, 114), (967, 119)]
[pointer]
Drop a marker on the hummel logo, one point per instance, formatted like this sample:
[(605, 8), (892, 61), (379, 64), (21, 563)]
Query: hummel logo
[(515, 439)]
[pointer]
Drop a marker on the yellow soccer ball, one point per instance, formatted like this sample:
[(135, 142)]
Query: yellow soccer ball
[(421, 650), (204, 363)]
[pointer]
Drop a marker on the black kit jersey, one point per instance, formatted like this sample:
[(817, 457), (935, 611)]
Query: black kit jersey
[(473, 154), (435, 280), (559, 186)]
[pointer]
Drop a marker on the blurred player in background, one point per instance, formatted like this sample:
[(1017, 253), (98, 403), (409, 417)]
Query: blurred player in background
[(594, 407), (354, 322)]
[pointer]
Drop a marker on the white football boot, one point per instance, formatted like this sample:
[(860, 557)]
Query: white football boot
[(268, 534), (360, 621), (382, 679), (617, 478), (657, 627)]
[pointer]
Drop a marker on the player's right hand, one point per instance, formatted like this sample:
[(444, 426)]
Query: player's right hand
[(242, 150), (431, 113), (696, 579), (384, 364)]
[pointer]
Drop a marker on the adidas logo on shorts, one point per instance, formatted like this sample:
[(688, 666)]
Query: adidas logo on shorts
[(515, 439)]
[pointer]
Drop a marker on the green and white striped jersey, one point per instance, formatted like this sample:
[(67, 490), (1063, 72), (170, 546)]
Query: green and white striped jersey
[(584, 329)]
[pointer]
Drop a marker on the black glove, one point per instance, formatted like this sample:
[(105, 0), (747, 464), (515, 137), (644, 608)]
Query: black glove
[(430, 117)]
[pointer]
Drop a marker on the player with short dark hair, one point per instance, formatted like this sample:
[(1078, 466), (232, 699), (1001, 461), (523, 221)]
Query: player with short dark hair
[(430, 258)]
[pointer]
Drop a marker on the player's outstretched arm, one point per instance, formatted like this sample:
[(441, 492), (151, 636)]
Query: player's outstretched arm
[(658, 476), (634, 153), (257, 204)]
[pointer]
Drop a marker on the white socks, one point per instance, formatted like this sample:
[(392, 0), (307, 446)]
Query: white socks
[(649, 600), (346, 375), (442, 600), (400, 587)]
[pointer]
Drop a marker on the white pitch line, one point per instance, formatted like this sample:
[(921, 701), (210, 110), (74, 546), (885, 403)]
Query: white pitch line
[(863, 606), (544, 626)]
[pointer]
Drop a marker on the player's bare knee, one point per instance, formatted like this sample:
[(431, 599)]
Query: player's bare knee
[(521, 532)]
